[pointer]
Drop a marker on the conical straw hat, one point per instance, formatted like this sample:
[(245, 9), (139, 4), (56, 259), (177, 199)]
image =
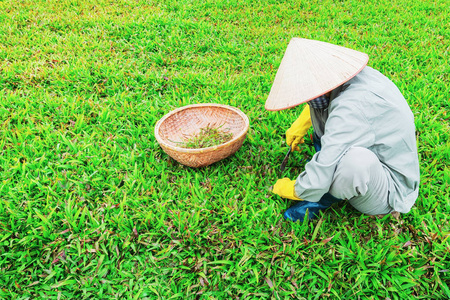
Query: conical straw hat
[(310, 69)]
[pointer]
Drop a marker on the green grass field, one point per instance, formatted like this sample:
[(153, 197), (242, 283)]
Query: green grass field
[(91, 207)]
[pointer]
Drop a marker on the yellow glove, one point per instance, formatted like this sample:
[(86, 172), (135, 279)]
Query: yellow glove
[(284, 188), (295, 134)]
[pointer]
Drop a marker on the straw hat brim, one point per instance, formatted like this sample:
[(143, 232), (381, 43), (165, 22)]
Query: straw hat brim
[(311, 68)]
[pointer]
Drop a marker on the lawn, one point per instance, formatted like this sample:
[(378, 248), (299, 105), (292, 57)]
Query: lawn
[(91, 207)]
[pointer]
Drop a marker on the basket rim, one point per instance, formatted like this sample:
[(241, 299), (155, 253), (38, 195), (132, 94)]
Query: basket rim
[(161, 141)]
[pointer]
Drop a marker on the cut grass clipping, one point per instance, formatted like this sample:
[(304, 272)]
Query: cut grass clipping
[(207, 137)]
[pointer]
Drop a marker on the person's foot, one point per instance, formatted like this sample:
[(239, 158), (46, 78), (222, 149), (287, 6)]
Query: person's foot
[(312, 210)]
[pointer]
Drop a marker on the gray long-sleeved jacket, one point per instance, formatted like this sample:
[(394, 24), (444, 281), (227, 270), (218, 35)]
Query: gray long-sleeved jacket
[(367, 111)]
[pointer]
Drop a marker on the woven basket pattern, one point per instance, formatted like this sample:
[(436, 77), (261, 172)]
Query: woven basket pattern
[(183, 122)]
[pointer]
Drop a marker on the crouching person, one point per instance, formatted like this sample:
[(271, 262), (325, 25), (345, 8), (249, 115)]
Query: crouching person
[(364, 132)]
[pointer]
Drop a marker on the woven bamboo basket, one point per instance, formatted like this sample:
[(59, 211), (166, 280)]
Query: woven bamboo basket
[(172, 129)]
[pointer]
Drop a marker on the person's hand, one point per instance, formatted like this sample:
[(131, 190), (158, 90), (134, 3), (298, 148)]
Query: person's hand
[(284, 188), (295, 134)]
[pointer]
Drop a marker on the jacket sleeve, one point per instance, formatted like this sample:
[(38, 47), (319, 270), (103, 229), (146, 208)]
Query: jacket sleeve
[(345, 127)]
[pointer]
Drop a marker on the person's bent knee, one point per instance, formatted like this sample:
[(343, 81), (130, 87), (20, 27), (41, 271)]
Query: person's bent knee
[(357, 161), (353, 173)]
